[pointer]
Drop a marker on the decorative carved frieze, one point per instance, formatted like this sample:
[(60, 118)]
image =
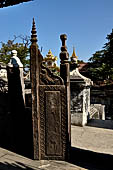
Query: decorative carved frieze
[(48, 78)]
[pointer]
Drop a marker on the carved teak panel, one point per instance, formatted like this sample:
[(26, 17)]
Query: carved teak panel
[(52, 121), (50, 105)]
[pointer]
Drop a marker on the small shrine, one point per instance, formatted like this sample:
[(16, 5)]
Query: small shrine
[(50, 61), (80, 93)]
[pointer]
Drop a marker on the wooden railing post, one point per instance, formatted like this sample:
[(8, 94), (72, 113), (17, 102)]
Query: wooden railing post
[(65, 75), (34, 67)]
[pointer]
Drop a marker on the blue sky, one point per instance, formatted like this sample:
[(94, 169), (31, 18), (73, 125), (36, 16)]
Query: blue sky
[(86, 23)]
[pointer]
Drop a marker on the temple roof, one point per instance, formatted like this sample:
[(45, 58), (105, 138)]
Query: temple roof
[(76, 76), (50, 56), (6, 3)]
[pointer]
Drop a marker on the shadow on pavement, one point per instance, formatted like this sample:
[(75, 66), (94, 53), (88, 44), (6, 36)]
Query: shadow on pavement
[(106, 124), (14, 166), (90, 160), (16, 134)]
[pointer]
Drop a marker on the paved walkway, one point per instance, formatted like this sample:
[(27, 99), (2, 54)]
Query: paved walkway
[(83, 139), (93, 139), (12, 161)]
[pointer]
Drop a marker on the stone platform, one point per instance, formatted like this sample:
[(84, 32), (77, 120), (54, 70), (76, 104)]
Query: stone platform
[(13, 161)]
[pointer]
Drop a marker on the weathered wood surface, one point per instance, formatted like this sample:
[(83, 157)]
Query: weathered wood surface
[(50, 107)]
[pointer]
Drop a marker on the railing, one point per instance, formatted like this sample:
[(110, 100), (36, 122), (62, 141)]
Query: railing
[(94, 112)]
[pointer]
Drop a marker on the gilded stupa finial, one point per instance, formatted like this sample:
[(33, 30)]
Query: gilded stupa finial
[(49, 54), (74, 57), (74, 54), (33, 33)]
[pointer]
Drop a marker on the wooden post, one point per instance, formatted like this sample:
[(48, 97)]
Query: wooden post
[(65, 74), (34, 61), (50, 105)]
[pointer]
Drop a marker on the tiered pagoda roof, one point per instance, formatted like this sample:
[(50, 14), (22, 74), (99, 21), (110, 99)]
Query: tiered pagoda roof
[(50, 56), (50, 62)]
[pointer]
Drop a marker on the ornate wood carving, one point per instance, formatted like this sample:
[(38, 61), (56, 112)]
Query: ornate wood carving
[(48, 78), (52, 122), (50, 101), (65, 74)]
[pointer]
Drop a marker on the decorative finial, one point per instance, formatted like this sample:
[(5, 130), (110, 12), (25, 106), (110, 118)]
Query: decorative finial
[(74, 54), (64, 56), (33, 35), (63, 38), (74, 57), (49, 55)]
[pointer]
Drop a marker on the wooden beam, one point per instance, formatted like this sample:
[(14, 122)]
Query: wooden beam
[(6, 3)]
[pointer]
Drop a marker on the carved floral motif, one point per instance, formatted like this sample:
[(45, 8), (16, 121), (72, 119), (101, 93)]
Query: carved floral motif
[(48, 78)]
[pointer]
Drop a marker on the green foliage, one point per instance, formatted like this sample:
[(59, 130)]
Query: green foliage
[(22, 50), (101, 63), (80, 61)]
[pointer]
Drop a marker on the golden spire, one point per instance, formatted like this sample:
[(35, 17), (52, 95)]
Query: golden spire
[(74, 54), (49, 54), (74, 57)]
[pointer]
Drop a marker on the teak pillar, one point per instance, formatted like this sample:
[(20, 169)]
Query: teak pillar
[(35, 92), (50, 106), (65, 75)]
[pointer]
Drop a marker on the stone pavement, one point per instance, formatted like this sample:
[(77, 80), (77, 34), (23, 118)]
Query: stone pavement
[(92, 149), (94, 139), (12, 161)]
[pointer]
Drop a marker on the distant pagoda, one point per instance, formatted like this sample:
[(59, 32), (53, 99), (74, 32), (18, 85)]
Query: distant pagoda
[(74, 60), (74, 57), (6, 3), (50, 62)]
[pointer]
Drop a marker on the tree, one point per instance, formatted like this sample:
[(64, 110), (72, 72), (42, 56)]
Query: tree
[(100, 66), (80, 61), (22, 50), (108, 56), (96, 66)]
